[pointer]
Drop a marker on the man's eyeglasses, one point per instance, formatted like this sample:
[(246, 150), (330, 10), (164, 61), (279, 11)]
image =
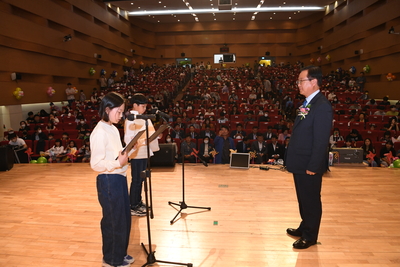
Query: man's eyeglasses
[(300, 81)]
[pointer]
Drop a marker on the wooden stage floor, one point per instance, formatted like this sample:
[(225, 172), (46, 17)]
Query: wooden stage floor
[(49, 216)]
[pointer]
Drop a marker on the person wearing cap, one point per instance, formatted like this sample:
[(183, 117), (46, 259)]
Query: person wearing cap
[(138, 156)]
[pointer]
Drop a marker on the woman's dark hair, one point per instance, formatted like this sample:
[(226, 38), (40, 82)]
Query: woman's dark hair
[(58, 140), (314, 72), (110, 100)]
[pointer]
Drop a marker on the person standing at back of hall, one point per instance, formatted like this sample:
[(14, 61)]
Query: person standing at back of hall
[(138, 156), (112, 189), (307, 155), (70, 92)]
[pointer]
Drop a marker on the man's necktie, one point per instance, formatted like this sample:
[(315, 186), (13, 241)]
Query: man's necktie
[(305, 103)]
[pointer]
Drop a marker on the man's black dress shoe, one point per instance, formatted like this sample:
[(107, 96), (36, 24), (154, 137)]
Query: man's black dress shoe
[(294, 232), (303, 243)]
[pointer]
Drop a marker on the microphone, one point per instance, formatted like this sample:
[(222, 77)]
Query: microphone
[(159, 112), (133, 117)]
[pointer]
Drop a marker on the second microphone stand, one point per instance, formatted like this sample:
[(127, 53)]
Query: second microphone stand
[(182, 204), (146, 174)]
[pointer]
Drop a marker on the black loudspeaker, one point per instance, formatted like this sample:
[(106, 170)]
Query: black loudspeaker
[(165, 156), (267, 53), (356, 52), (6, 158), (182, 54)]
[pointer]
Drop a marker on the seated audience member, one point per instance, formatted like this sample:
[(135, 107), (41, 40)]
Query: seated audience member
[(82, 125), (284, 147), (249, 117), (53, 119), (222, 119), (268, 134), (180, 123), (274, 149), (65, 136), (260, 148), (23, 126), (388, 149), (335, 137), (177, 132), (380, 111), (282, 136), (354, 136), (265, 117), (50, 126), (84, 151), (70, 152), (223, 143), (205, 149), (192, 132), (194, 123), (368, 150), (19, 145), (393, 111), (187, 147), (55, 152), (208, 122), (362, 118), (392, 125), (40, 137), (30, 117), (387, 136), (238, 133), (25, 135), (207, 132), (50, 136), (385, 101), (371, 102), (349, 143), (243, 146), (281, 126), (37, 119), (253, 134)]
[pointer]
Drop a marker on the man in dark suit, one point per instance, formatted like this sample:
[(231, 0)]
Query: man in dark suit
[(243, 146), (207, 132), (307, 155), (260, 148), (274, 149), (177, 132)]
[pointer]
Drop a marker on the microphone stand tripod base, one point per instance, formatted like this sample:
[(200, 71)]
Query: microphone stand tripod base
[(182, 205), (151, 259)]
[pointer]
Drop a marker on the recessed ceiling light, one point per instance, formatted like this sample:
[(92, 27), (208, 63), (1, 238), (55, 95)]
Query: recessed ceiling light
[(215, 19), (158, 21), (233, 18), (132, 4), (159, 2), (179, 20), (139, 7), (290, 17), (270, 17), (284, 3), (165, 6), (212, 4)]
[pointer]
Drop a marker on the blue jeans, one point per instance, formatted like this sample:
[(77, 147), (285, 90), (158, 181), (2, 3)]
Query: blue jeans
[(113, 196), (137, 166)]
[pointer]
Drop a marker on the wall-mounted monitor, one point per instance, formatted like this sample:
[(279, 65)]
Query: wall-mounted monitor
[(224, 58)]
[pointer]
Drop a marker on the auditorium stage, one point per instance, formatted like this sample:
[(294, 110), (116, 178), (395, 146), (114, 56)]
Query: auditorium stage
[(49, 216)]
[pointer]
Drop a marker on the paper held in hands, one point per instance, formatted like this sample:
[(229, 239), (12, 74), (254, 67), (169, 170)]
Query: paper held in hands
[(129, 146)]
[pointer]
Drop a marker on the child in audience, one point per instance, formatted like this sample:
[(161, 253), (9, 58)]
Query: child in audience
[(55, 152), (367, 150), (385, 152)]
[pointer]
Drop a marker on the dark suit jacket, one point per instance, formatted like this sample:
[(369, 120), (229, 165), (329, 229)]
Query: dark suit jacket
[(181, 134), (201, 150), (255, 147), (273, 151), (234, 132), (251, 136), (196, 135), (203, 134), (242, 147), (307, 149)]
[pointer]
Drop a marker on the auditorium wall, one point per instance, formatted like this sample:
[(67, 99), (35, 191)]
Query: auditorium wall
[(33, 44)]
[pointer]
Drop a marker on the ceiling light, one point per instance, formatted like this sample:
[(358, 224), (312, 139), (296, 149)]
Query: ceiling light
[(235, 9), (290, 17), (215, 19), (233, 18), (132, 4), (270, 17), (159, 2), (179, 20), (212, 4)]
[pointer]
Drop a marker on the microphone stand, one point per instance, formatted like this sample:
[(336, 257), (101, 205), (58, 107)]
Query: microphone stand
[(182, 204), (146, 175)]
